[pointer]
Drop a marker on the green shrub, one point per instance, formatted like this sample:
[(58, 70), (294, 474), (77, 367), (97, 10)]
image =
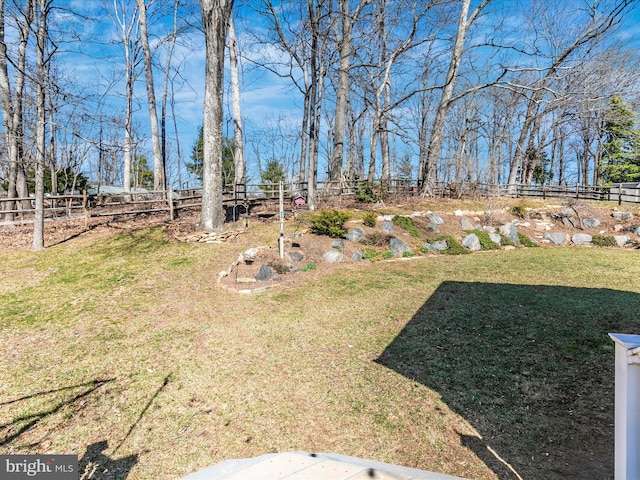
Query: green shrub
[(604, 241), (370, 193), (506, 241), (454, 247), (485, 240), (330, 223), (369, 219), (308, 266), (407, 224), (525, 241), (376, 255)]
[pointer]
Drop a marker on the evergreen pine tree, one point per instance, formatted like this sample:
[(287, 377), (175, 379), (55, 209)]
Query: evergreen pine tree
[(621, 155)]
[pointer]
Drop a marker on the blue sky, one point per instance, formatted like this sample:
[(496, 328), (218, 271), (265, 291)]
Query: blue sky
[(96, 65), (268, 102)]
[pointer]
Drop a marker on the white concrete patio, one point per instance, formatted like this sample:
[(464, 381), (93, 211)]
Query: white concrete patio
[(311, 466)]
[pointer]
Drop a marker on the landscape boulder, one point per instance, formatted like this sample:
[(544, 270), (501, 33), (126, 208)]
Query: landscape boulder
[(622, 240), (265, 274), (437, 246), (509, 230), (435, 219), (496, 238), (399, 248), (472, 242), (557, 238), (590, 222), (622, 216), (466, 224), (333, 256), (569, 222), (354, 234), (582, 239), (387, 226), (294, 256), (338, 244), (248, 254)]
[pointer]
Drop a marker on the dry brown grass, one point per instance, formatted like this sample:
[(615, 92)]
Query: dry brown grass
[(123, 350)]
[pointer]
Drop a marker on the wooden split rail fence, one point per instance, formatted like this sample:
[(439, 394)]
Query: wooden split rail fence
[(172, 201)]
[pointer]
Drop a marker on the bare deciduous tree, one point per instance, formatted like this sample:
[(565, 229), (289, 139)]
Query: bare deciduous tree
[(238, 141), (215, 21), (158, 166), (433, 152), (43, 57)]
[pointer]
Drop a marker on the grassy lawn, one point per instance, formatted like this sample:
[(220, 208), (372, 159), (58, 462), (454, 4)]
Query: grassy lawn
[(123, 350)]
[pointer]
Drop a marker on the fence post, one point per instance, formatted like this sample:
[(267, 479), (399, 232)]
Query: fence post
[(627, 413), (85, 210), (170, 200), (281, 212), (619, 194)]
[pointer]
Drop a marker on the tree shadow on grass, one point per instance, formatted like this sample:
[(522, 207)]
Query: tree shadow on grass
[(94, 465), (23, 423), (531, 368), (73, 236)]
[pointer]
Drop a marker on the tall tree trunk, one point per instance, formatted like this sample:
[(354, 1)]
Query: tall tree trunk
[(519, 155), (347, 21), (437, 131), (7, 116), (238, 141), (41, 119), (373, 147), (159, 182), (215, 20), (315, 100), (384, 136), (128, 23), (128, 128), (304, 139), (165, 93), (423, 135), (335, 165), (12, 107)]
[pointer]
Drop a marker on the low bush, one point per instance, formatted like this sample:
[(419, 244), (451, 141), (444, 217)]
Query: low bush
[(504, 240), (525, 241), (407, 224), (369, 219), (454, 248), (330, 223), (376, 255), (309, 266), (604, 241), (485, 240)]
